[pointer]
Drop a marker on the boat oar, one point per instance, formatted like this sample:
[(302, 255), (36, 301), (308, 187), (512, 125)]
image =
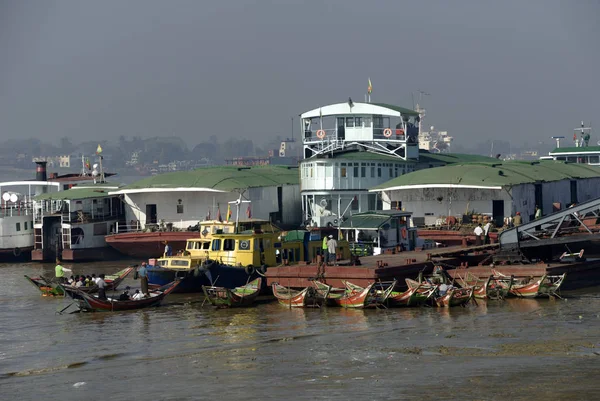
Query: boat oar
[(64, 309)]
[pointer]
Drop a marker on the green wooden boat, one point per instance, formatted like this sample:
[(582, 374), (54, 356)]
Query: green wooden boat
[(231, 298)]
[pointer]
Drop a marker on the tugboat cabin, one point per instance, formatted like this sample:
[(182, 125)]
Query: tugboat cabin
[(251, 248)]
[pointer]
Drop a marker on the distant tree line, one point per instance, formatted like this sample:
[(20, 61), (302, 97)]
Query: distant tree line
[(20, 152)]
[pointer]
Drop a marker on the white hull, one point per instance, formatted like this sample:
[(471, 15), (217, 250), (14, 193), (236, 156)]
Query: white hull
[(16, 233)]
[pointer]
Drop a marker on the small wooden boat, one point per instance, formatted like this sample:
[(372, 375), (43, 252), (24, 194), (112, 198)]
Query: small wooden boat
[(532, 287), (345, 297), (444, 295), (379, 294), (413, 296), (305, 298), (45, 286), (229, 298), (494, 287), (91, 303), (49, 287), (454, 296)]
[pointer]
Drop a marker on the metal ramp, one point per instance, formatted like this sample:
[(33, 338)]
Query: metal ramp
[(579, 223)]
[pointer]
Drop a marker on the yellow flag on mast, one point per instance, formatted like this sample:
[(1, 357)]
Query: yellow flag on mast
[(99, 149)]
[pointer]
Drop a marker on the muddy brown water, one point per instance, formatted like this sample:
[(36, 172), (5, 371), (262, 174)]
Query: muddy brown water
[(186, 350)]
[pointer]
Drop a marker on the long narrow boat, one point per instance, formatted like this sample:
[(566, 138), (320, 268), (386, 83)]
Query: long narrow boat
[(454, 296), (305, 298), (379, 294), (230, 298), (413, 296), (45, 286), (91, 303), (345, 297), (532, 287), (494, 287), (49, 287)]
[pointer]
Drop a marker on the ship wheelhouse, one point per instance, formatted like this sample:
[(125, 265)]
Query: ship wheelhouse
[(581, 152), (349, 148)]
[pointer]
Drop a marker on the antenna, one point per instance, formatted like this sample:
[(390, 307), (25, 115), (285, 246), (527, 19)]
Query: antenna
[(558, 138), (421, 93)]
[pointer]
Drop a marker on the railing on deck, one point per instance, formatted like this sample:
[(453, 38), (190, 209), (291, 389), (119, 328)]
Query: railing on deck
[(19, 209), (162, 226)]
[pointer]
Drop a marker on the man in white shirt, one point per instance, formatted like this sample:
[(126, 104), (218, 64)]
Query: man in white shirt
[(486, 232), (478, 232), (101, 287), (331, 248)]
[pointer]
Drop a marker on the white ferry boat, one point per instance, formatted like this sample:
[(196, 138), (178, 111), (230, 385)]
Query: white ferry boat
[(16, 212), (72, 224)]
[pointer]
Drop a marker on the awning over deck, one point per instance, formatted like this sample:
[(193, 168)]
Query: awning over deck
[(372, 220)]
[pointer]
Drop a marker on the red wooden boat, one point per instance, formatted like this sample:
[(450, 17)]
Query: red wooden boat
[(453, 297), (91, 303), (345, 297), (413, 296), (305, 298), (445, 295), (494, 287), (532, 287)]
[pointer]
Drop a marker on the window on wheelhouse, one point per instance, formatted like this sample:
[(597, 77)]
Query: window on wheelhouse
[(216, 245), (341, 129), (229, 244)]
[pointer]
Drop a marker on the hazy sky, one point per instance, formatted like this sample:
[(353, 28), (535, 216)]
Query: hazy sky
[(519, 70)]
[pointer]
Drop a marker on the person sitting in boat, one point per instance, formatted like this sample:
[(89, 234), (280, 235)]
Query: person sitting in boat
[(81, 282), (443, 289), (88, 281), (72, 280), (125, 295), (94, 279), (101, 287), (137, 295)]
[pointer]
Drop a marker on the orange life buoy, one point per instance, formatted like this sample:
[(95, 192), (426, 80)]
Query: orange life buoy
[(404, 232), (321, 134), (399, 132), (387, 132)]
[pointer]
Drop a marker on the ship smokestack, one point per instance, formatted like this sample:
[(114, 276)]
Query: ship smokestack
[(40, 175)]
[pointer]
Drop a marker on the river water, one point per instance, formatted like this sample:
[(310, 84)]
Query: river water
[(186, 350)]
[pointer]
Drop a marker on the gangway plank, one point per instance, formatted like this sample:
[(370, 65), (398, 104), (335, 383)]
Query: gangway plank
[(577, 223)]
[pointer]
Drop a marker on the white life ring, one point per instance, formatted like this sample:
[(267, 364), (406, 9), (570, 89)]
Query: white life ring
[(321, 134), (387, 132)]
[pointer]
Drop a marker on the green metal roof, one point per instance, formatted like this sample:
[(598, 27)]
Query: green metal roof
[(72, 194), (493, 174), (448, 158), (224, 178), (399, 109), (574, 149)]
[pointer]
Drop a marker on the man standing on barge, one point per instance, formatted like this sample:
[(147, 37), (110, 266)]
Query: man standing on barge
[(332, 248)]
